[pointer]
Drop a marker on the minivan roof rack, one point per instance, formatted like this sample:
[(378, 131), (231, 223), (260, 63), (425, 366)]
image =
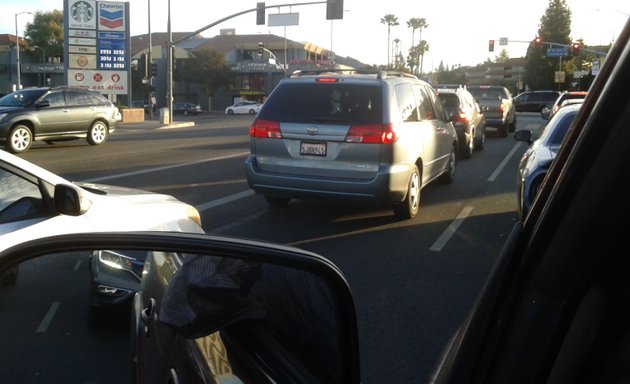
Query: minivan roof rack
[(380, 74)]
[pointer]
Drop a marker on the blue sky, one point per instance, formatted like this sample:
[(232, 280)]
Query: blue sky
[(457, 34)]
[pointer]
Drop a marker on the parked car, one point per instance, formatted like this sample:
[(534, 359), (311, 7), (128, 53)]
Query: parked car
[(468, 120), (55, 114), (243, 107), (535, 101), (356, 137), (185, 108), (35, 202), (497, 106), (536, 161), (547, 113)]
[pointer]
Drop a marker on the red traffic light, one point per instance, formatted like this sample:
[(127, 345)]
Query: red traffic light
[(537, 41), (575, 49), (491, 46)]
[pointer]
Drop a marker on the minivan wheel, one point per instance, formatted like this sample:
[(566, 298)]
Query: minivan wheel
[(276, 201), (19, 139), (409, 207), (97, 133)]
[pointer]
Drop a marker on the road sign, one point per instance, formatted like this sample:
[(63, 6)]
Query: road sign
[(557, 52), (503, 41)]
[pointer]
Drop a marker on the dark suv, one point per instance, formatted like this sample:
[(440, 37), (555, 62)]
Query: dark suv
[(55, 114), (373, 137), (535, 101)]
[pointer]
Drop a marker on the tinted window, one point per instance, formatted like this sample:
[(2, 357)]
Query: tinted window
[(425, 104), (56, 99), (20, 199), (449, 100), (79, 98), (321, 103)]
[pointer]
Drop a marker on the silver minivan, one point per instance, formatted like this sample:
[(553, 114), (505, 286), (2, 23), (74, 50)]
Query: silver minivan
[(372, 137)]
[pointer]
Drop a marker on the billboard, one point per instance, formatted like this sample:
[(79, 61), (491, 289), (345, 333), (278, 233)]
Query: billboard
[(97, 37)]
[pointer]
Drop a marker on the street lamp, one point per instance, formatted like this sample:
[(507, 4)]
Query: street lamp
[(17, 46)]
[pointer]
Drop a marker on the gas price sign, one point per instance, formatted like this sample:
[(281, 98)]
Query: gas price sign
[(111, 54)]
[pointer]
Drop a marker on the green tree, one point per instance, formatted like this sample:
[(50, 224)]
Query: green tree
[(555, 27), (45, 32), (206, 68), (502, 57), (415, 23), (390, 20)]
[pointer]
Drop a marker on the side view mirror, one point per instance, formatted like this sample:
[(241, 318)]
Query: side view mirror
[(193, 306), (69, 200), (524, 135), (545, 113), (42, 104)]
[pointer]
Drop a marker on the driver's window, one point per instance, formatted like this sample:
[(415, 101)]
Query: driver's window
[(14, 190)]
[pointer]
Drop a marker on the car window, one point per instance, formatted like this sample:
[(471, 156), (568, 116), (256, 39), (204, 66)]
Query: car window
[(406, 100), (449, 100), (356, 103), (19, 198), (560, 132), (79, 98), (55, 99)]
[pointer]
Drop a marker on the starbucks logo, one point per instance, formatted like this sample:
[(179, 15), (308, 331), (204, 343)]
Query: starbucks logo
[(82, 12)]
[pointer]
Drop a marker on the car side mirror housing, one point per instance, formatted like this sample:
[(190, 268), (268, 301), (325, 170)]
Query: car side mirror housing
[(42, 104), (70, 201), (524, 135)]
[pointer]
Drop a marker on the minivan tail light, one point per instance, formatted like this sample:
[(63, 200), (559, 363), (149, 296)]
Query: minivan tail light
[(372, 134), (462, 117), (265, 129)]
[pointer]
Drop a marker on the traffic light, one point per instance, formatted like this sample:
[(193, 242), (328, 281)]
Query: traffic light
[(334, 9), (491, 46), (260, 13), (261, 48), (575, 49), (154, 71), (537, 42)]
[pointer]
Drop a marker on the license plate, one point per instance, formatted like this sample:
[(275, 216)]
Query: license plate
[(312, 149)]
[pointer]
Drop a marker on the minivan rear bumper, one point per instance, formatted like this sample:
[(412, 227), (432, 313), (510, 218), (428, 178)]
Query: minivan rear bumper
[(389, 184)]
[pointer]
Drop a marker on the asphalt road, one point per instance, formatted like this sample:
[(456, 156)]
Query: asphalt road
[(413, 281)]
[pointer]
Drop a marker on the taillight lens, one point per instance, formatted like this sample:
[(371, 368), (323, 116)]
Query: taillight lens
[(462, 117), (372, 134), (265, 129)]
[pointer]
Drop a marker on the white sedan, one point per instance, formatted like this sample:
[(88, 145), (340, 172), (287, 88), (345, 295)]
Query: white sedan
[(35, 203), (243, 107)]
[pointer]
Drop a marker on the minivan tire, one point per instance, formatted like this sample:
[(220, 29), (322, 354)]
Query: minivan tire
[(409, 207)]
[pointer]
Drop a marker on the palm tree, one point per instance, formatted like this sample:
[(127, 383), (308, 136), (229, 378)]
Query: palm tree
[(390, 20), (416, 23)]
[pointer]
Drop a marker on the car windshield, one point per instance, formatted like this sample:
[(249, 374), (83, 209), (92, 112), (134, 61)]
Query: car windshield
[(23, 98)]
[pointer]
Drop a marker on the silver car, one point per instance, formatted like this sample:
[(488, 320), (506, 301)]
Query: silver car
[(537, 159), (358, 137)]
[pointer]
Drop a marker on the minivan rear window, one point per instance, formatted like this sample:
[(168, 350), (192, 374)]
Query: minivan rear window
[(324, 102)]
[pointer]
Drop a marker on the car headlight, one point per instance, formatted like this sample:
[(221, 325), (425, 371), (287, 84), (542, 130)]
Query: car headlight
[(194, 215), (131, 261)]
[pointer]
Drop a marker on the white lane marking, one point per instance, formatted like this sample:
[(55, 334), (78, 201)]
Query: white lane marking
[(43, 326), (505, 160), (156, 169), (224, 200), (450, 231)]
